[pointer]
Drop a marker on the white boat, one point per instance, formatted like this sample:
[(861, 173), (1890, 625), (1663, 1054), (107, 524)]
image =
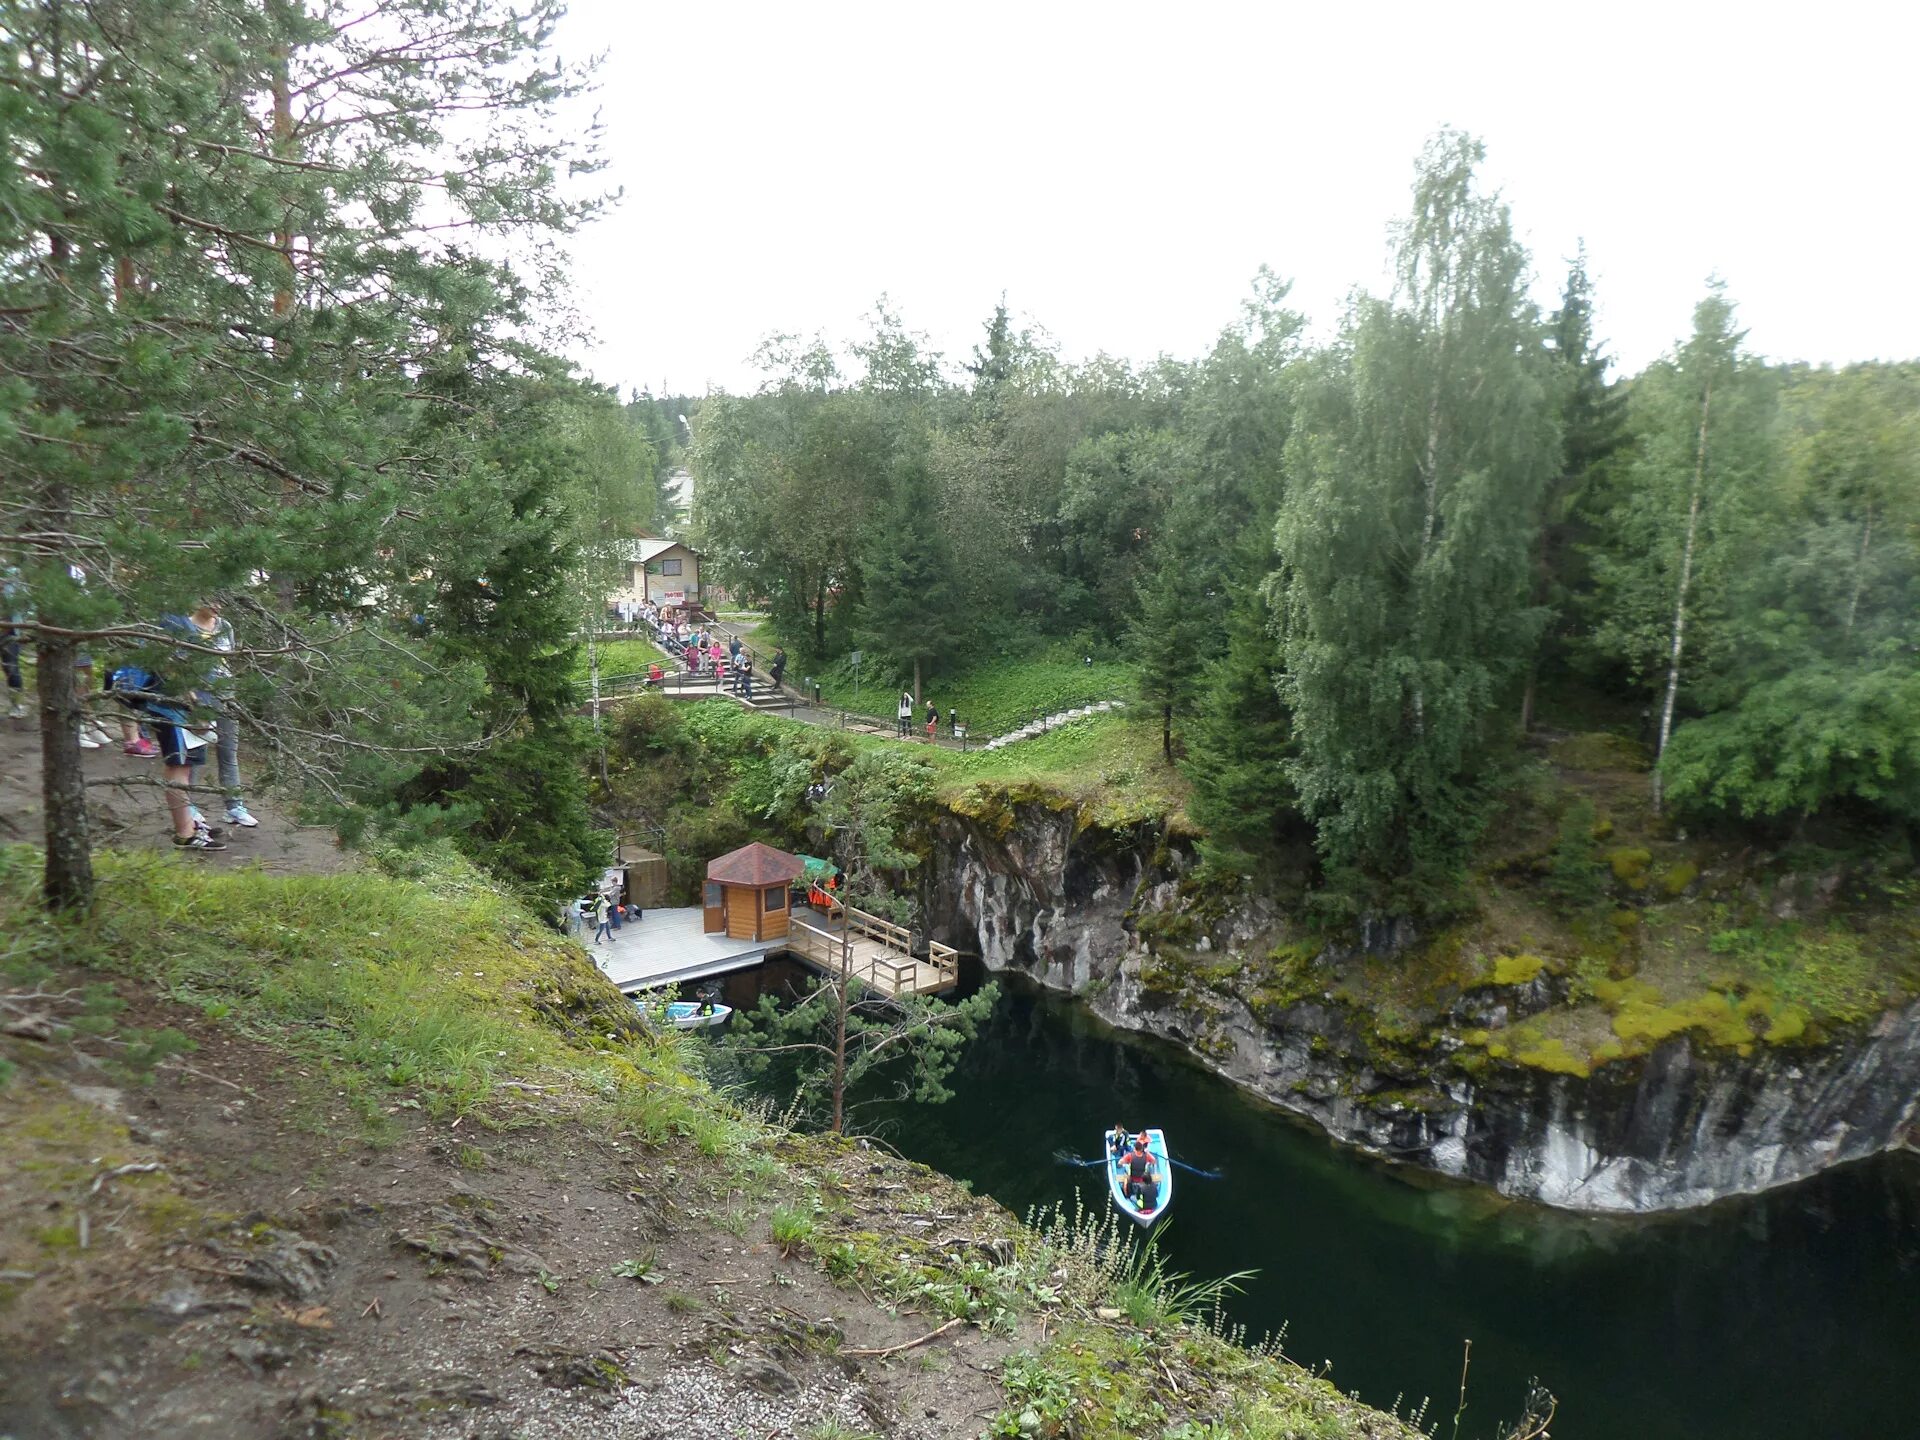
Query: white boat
[(688, 1015), (1163, 1172)]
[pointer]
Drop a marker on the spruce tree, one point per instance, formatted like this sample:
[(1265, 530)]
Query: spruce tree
[(908, 608)]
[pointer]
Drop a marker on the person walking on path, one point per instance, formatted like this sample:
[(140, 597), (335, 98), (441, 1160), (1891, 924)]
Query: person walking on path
[(602, 920), (933, 721), (906, 712), (779, 665), (745, 664)]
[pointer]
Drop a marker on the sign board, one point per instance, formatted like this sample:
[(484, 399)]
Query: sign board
[(853, 659), (673, 597)]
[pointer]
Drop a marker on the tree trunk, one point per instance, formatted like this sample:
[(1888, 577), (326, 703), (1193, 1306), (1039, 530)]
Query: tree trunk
[(1680, 595), (843, 1004), (67, 877), (1526, 698), (916, 682), (820, 617), (1859, 571), (1166, 732)]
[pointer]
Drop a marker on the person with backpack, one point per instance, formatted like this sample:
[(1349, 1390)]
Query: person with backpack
[(144, 692)]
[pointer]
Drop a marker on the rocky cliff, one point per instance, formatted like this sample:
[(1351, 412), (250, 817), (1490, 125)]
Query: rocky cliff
[(1467, 1074)]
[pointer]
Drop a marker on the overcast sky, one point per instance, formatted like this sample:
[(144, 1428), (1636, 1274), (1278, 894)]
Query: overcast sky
[(1121, 171)]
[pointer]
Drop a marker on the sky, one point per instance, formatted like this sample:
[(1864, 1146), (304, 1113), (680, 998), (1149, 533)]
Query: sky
[(1120, 172)]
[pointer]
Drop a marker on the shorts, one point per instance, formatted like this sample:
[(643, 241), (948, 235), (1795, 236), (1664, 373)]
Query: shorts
[(175, 749)]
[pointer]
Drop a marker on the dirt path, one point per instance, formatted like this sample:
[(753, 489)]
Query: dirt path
[(127, 809)]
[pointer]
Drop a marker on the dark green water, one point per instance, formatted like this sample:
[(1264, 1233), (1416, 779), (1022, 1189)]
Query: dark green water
[(1789, 1315)]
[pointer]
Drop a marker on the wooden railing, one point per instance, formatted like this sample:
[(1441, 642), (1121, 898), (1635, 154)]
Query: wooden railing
[(943, 958)]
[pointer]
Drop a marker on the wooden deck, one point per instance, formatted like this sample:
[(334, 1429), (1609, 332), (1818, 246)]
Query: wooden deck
[(669, 947), (874, 951)]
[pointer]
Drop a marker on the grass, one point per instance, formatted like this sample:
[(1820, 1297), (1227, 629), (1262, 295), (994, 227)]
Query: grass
[(1108, 766), (617, 658), (792, 1228), (992, 696)]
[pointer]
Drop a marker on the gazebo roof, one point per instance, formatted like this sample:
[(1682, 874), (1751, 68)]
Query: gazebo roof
[(755, 864)]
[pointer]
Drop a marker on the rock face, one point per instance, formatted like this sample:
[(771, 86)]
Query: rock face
[(1685, 1125)]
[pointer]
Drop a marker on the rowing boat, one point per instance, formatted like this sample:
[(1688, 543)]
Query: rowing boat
[(685, 1014), (1163, 1172)]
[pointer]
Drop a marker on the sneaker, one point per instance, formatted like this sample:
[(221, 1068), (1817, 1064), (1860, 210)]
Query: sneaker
[(18, 711), (87, 742), (142, 747), (238, 814), (200, 823), (199, 840), (97, 734)]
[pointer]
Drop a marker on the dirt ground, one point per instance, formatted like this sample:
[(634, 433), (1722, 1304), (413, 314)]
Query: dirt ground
[(202, 1255), (127, 808)]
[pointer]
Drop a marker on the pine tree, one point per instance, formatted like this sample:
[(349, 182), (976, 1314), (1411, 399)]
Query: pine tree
[(219, 275)]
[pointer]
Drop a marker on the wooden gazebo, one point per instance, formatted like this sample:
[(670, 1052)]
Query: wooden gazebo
[(746, 895)]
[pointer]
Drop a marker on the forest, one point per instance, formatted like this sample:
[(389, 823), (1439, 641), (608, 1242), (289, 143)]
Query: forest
[(1350, 579)]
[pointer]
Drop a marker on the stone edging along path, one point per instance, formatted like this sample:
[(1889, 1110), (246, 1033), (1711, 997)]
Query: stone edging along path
[(1054, 721)]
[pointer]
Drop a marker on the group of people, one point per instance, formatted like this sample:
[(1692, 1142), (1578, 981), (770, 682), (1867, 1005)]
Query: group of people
[(607, 912), (174, 718), (630, 614), (177, 718), (1130, 1155), (932, 719)]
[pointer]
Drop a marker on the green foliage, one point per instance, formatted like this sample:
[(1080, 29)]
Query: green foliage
[(1238, 746), (1417, 461), (1576, 876)]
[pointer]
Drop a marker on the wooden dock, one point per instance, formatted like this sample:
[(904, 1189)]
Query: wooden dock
[(876, 952), (669, 947)]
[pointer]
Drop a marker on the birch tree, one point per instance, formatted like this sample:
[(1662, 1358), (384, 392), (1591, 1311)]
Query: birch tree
[(1416, 463), (1686, 513)]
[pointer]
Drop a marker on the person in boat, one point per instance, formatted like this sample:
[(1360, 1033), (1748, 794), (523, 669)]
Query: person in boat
[(1117, 1141), (1143, 1176)]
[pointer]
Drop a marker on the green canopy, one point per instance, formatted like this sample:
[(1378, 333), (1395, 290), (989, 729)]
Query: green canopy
[(817, 870)]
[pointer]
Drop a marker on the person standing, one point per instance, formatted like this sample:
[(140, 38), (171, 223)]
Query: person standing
[(779, 665), (745, 663), (209, 627), (143, 692), (13, 613), (906, 712), (933, 721), (602, 920)]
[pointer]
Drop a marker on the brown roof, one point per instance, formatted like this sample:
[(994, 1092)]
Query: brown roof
[(755, 864)]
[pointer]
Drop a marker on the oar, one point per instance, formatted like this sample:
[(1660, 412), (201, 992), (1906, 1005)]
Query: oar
[(1196, 1170), (1067, 1157)]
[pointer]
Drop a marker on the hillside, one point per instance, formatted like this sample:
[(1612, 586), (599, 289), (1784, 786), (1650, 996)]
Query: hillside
[(373, 1154)]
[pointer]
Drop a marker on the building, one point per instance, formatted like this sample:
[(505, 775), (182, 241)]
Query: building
[(746, 896), (663, 571)]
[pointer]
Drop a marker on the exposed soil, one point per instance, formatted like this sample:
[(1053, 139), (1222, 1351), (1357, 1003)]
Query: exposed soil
[(277, 1276), (126, 808)]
